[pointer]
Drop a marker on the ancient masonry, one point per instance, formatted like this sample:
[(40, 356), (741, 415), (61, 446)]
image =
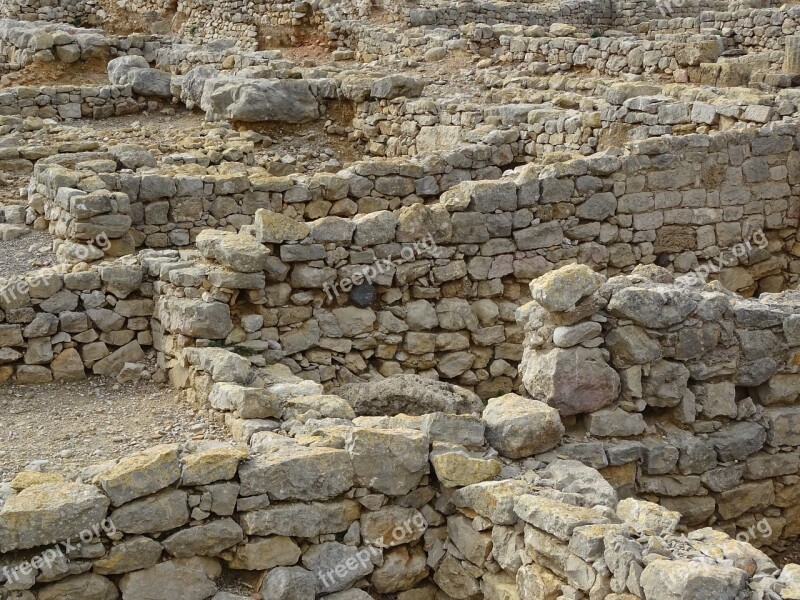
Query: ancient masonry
[(525, 325)]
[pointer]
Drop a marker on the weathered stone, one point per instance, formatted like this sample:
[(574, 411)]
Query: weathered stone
[(238, 251), (163, 511), (186, 578), (133, 554), (401, 570), (87, 586), (59, 510), (492, 499), (218, 463), (519, 427), (336, 566), (651, 307), (690, 580), (457, 469), (140, 474), (575, 380), (301, 520), (257, 100), (648, 516), (275, 228), (208, 539), (297, 473), (265, 553), (409, 394), (554, 517), (561, 290), (389, 461)]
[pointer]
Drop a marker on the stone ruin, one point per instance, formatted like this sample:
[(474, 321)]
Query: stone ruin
[(528, 329)]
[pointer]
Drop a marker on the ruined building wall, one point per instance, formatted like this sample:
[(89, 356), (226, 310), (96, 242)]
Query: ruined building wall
[(686, 202), (702, 381), (320, 497)]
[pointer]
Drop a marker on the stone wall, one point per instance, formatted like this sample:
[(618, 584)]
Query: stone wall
[(169, 206), (454, 268), (22, 43), (68, 102), (630, 13), (328, 498), (587, 14), (58, 324), (702, 382), (75, 12)]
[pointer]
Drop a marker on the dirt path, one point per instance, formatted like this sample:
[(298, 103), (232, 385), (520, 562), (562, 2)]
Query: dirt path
[(74, 425)]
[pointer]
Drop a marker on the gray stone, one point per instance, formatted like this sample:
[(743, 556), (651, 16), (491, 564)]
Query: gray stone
[(691, 580), (518, 427), (388, 461), (395, 86), (561, 290), (133, 554), (163, 511), (652, 307), (289, 583), (301, 519), (408, 394), (614, 422), (60, 511), (336, 566), (87, 586), (554, 517), (574, 381), (184, 578), (738, 440), (207, 539), (297, 473), (259, 100), (568, 336)]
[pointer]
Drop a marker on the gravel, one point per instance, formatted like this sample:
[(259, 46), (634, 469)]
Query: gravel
[(65, 427)]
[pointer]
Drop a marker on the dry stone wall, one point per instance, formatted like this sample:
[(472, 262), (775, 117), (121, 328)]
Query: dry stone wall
[(23, 42), (68, 102), (327, 499), (701, 381), (59, 325), (452, 271)]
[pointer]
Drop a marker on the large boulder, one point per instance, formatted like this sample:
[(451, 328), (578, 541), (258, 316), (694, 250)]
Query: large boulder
[(573, 380), (150, 82), (560, 290), (691, 580), (194, 83), (119, 68), (409, 394), (395, 86), (51, 511), (136, 71), (184, 578), (518, 427), (258, 100)]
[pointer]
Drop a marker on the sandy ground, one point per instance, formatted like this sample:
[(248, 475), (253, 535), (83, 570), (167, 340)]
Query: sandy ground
[(69, 426)]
